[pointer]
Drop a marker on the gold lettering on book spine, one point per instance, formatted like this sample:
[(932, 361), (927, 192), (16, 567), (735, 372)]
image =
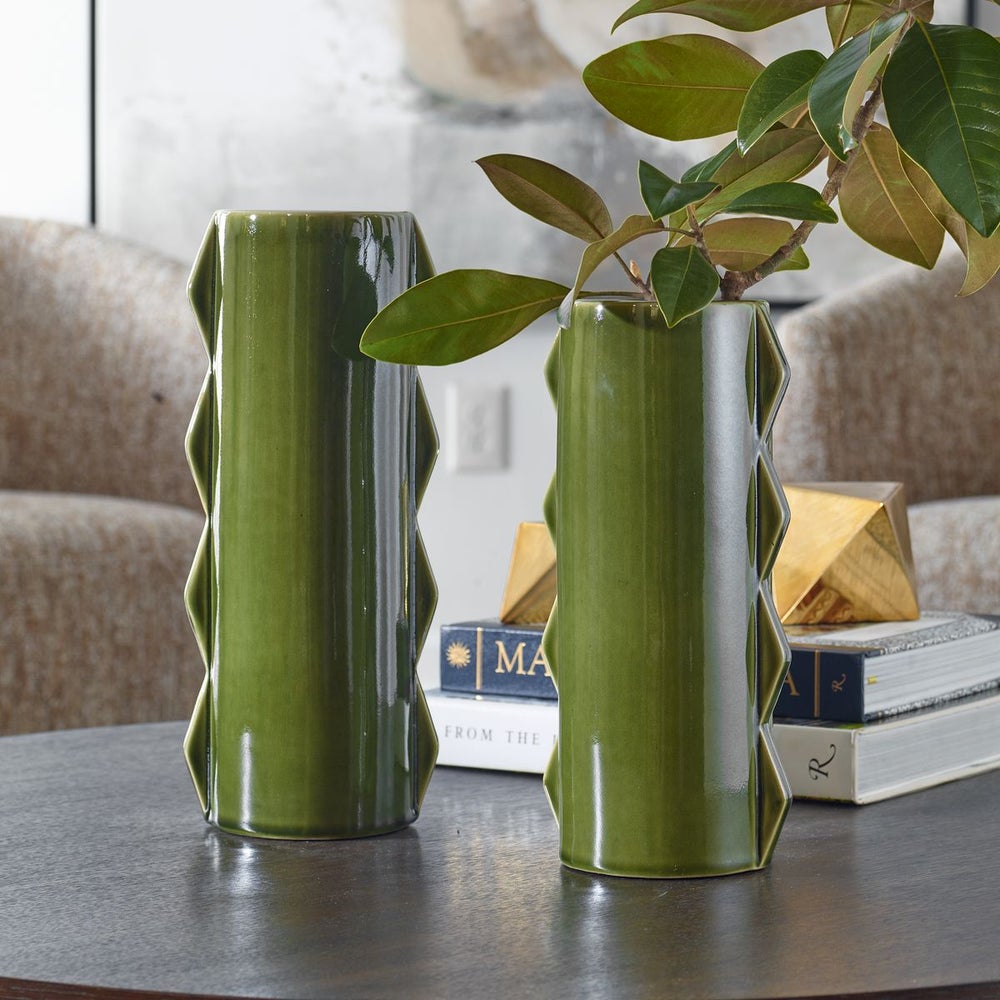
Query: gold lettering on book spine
[(539, 661), (507, 663), (816, 685)]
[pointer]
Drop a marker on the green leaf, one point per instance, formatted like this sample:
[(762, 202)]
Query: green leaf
[(680, 87), (781, 88), (743, 244), (783, 154), (982, 256), (457, 315), (845, 20), (549, 194), (740, 15), (982, 253), (942, 100), (705, 170), (631, 229), (879, 203), (837, 93), (787, 201), (682, 281), (662, 195)]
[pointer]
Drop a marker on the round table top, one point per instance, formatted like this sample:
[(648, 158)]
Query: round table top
[(112, 881)]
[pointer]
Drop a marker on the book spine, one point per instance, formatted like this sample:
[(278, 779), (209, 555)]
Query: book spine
[(823, 684), (820, 762), (501, 735), (495, 659)]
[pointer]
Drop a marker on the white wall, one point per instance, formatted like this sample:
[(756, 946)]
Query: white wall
[(246, 104), (45, 109), (468, 520)]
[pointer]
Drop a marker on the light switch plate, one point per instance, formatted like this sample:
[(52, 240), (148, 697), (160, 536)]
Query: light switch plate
[(476, 427)]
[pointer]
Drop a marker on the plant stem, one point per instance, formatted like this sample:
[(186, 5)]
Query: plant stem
[(735, 283), (697, 234), (633, 277)]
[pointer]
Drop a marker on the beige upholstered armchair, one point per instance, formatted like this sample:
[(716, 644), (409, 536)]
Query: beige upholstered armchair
[(899, 380), (100, 366)]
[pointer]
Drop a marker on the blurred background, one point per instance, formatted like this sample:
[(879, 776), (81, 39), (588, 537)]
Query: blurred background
[(142, 119)]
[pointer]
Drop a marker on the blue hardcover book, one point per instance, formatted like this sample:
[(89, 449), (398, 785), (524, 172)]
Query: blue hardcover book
[(856, 673), (489, 657)]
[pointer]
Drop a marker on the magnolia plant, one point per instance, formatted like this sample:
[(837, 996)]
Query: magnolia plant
[(903, 112)]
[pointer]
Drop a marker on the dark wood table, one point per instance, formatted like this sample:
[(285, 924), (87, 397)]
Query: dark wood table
[(112, 882)]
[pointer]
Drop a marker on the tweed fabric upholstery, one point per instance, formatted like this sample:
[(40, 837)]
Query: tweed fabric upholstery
[(897, 380), (100, 366), (94, 629), (956, 550), (100, 362)]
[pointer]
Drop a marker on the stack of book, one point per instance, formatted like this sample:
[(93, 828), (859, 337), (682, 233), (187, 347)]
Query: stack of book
[(496, 707), (867, 711)]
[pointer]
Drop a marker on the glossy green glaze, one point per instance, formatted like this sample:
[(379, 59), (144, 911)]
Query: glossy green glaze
[(665, 646), (310, 595)]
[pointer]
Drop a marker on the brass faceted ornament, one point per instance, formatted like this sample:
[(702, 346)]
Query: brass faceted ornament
[(846, 556), (531, 579)]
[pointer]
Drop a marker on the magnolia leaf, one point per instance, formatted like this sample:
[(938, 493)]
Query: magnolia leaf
[(682, 281), (662, 195), (982, 256), (549, 194), (800, 145), (781, 88), (982, 253), (457, 315), (849, 19), (743, 244), (846, 20), (839, 89), (783, 154), (788, 201), (953, 129), (798, 118), (880, 204), (631, 229), (739, 15), (705, 170), (680, 87)]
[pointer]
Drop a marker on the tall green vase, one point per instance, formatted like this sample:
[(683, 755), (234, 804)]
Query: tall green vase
[(310, 594), (664, 642)]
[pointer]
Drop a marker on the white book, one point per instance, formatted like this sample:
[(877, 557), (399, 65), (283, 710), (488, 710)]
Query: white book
[(847, 762), (853, 762), (501, 734)]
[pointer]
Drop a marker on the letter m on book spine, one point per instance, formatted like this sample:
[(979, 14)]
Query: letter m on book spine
[(488, 657)]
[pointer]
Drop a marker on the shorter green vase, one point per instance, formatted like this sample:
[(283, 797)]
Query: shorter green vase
[(310, 594), (664, 643)]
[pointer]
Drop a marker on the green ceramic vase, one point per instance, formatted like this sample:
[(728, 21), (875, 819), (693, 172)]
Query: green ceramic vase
[(310, 595), (664, 642)]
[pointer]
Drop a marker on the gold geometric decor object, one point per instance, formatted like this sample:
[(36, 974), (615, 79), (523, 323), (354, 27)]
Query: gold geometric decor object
[(846, 556), (531, 580)]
